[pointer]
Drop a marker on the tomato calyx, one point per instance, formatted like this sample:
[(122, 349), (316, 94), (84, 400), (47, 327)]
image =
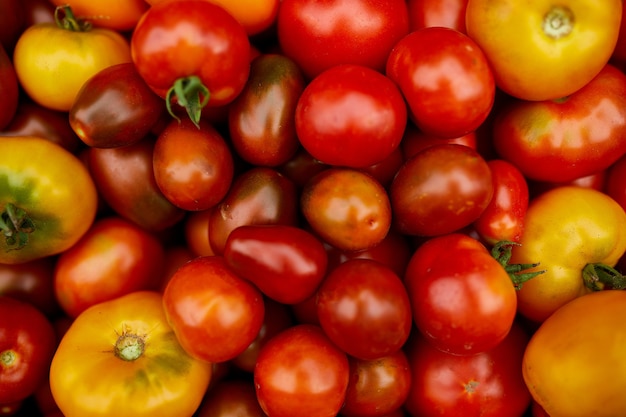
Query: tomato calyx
[(599, 276), (519, 274), (15, 226), (558, 22), (191, 94), (65, 19), (129, 346), (7, 358)]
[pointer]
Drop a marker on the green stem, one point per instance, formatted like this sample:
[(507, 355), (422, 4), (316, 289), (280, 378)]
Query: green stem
[(129, 347), (190, 94), (598, 277), (65, 19), (16, 226), (519, 273)]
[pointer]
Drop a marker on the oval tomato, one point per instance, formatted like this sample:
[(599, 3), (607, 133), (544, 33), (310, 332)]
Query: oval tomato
[(122, 358), (39, 187), (545, 50)]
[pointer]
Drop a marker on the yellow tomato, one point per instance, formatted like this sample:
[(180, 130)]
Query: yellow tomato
[(121, 358), (544, 49), (52, 62), (574, 364), (112, 14)]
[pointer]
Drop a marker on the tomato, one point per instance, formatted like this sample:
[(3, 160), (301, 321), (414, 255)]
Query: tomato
[(574, 233), (215, 313), (121, 15), (441, 189), (462, 298), (414, 140), (301, 373), (193, 166), (579, 349), (364, 308), (301, 167), (114, 108), (561, 140), (115, 257), (9, 89), (347, 208), (558, 46), (385, 170), (446, 13), (615, 182), (503, 218), (231, 398), (39, 183), (31, 282), (285, 262), (196, 232), (53, 61), (320, 35), (191, 51), (12, 23), (619, 53), (121, 358), (27, 343), (38, 11), (125, 179), (488, 384), (261, 119), (445, 79)]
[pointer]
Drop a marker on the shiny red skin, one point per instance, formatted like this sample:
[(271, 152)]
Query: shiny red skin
[(446, 13), (27, 344), (286, 263), (462, 299), (185, 38), (440, 190), (330, 122), (445, 79), (301, 373), (318, 35), (562, 140), (364, 308)]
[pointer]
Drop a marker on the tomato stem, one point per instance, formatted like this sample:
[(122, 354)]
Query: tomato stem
[(598, 277), (65, 19), (188, 91), (519, 274), (558, 22), (129, 347), (16, 226)]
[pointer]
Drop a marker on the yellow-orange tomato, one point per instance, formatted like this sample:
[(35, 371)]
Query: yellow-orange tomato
[(544, 49), (52, 63), (574, 364), (113, 14)]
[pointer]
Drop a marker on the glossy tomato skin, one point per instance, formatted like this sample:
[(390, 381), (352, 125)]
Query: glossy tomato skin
[(9, 89), (446, 13), (27, 344), (285, 262), (115, 107), (120, 15), (488, 384), (445, 79), (261, 119), (561, 140), (215, 313), (196, 232), (260, 195), (319, 35), (193, 165), (440, 190), (463, 301), (31, 282), (329, 116), (174, 40), (378, 322), (115, 257), (301, 373)]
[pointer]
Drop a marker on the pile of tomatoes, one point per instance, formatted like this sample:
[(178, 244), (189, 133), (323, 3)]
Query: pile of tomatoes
[(285, 208)]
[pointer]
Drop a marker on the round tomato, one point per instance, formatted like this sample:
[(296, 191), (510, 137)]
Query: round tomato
[(579, 349), (121, 15), (121, 358), (47, 197), (53, 61), (446, 13), (546, 49)]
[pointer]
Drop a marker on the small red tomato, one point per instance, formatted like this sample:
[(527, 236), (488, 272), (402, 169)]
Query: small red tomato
[(230, 398), (31, 281)]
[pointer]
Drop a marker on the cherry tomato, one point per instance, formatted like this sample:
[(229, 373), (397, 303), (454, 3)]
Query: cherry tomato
[(120, 15), (231, 398), (414, 140), (446, 13), (196, 231)]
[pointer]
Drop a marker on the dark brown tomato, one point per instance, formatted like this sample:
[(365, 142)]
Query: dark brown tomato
[(231, 398), (31, 282), (9, 90)]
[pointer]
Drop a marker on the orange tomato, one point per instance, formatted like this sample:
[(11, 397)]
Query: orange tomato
[(120, 15)]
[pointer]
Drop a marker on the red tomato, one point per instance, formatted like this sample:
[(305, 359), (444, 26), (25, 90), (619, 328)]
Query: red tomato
[(231, 398), (364, 308), (31, 282), (115, 257), (27, 344), (318, 35), (441, 189), (9, 89), (285, 262), (196, 231), (445, 79), (330, 120), (489, 384), (414, 140), (301, 373), (214, 313), (462, 298), (193, 51), (446, 13)]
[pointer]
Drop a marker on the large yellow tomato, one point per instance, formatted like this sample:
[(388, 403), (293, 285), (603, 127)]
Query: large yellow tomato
[(544, 49), (121, 358), (574, 364), (53, 61)]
